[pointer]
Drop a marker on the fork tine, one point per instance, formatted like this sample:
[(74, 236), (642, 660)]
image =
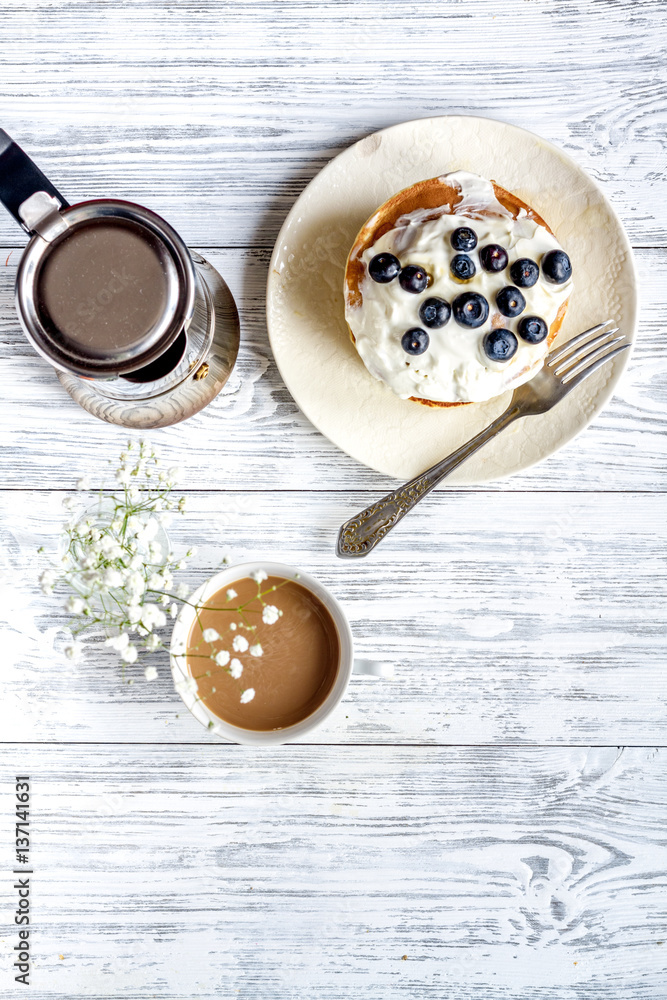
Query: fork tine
[(567, 348), (567, 362), (594, 367), (573, 365)]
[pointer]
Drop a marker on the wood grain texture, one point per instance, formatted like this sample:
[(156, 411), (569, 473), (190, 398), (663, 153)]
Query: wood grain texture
[(295, 872), (216, 114), (510, 618), (253, 436)]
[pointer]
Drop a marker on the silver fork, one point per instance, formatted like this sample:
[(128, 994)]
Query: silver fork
[(564, 369)]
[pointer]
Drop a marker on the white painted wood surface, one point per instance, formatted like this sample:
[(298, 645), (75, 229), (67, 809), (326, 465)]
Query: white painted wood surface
[(532, 612)]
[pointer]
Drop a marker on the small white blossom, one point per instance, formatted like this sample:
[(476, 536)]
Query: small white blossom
[(231, 594), (136, 583), (112, 578), (118, 642), (270, 614), (236, 668), (155, 551), (156, 582), (259, 577), (210, 635), (152, 617), (256, 650), (222, 657), (174, 474), (233, 626), (123, 475), (182, 591), (133, 613), (129, 654), (188, 685), (150, 673), (152, 642), (240, 644), (75, 606), (47, 581), (173, 610), (247, 695)]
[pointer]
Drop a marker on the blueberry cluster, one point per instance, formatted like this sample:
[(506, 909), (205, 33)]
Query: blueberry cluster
[(470, 308)]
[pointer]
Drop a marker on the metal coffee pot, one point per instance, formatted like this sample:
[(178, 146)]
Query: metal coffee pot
[(142, 331)]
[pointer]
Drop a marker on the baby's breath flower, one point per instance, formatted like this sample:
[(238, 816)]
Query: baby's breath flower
[(270, 614), (152, 642), (240, 644), (231, 594), (188, 685), (150, 673), (247, 695), (256, 650), (259, 576), (236, 668), (210, 635), (232, 626), (173, 610), (47, 581), (129, 654), (123, 475), (75, 606), (118, 642), (222, 657), (152, 617), (182, 591)]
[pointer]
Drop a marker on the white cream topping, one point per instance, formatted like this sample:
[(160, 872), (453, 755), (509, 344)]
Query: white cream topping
[(454, 368)]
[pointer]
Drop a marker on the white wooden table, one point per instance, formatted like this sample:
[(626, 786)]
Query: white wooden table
[(491, 823)]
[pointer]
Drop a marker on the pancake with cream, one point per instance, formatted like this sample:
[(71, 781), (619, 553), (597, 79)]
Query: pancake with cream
[(455, 290)]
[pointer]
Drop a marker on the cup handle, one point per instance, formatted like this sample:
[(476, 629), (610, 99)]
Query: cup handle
[(373, 668), (20, 178)]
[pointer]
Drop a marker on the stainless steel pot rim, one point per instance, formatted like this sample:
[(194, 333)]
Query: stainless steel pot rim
[(177, 314)]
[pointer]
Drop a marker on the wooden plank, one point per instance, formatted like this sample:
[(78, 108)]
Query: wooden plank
[(254, 437), (510, 617), (221, 872), (217, 114)]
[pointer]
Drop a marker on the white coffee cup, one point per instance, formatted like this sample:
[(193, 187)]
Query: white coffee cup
[(346, 667)]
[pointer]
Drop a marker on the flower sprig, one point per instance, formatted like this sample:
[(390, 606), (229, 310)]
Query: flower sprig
[(119, 571)]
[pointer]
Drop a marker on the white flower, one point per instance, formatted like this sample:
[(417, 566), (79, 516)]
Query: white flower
[(247, 695), (136, 583), (210, 635), (222, 657), (233, 626), (182, 591), (83, 483), (152, 642), (75, 606), (133, 612), (152, 617), (173, 610), (123, 475), (136, 562), (188, 685), (134, 525), (129, 654), (47, 581), (231, 594), (148, 532), (74, 651), (155, 551), (164, 600), (256, 650), (118, 642), (236, 668), (270, 614), (156, 582), (150, 673), (240, 644), (258, 577), (112, 578), (174, 474)]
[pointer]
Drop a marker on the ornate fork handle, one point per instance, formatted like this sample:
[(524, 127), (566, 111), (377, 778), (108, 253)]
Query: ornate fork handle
[(358, 536)]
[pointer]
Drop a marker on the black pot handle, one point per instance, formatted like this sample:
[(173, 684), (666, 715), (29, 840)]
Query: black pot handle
[(19, 178)]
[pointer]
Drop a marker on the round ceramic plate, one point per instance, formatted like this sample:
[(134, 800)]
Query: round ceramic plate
[(305, 311)]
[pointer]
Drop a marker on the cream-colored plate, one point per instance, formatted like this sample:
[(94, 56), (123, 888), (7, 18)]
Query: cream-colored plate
[(309, 336)]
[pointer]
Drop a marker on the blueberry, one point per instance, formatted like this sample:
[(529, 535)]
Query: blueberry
[(470, 309), (556, 266), (413, 278), (384, 267), (524, 272), (463, 239), (500, 345), (462, 267), (510, 301), (493, 257), (434, 312), (415, 341), (533, 329)]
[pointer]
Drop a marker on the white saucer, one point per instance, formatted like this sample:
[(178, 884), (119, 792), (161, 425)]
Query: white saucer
[(307, 329)]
